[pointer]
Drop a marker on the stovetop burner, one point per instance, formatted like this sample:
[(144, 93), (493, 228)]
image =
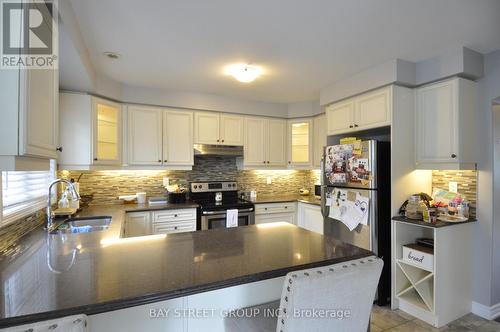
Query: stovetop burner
[(205, 193)]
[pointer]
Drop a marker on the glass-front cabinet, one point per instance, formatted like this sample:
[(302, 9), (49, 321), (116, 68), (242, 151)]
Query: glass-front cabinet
[(107, 132), (300, 143)]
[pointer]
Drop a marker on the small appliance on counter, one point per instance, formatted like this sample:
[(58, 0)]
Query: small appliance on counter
[(317, 190)]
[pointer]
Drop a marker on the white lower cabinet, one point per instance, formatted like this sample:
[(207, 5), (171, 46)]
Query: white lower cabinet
[(137, 224), (309, 217), (173, 221), (160, 222), (276, 212)]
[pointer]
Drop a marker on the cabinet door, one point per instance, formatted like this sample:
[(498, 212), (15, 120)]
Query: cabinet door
[(275, 217), (107, 132), (310, 218), (373, 109), (340, 117), (206, 128), (138, 224), (178, 138), (144, 136), (39, 123), (436, 123), (276, 143), (255, 140), (300, 143), (319, 139), (231, 129)]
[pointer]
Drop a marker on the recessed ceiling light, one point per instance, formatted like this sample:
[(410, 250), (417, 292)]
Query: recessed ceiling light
[(243, 72), (112, 55)]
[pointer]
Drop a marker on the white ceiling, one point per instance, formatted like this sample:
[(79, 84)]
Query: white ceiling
[(303, 45)]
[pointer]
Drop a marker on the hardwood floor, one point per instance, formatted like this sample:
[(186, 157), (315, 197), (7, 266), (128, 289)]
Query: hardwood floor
[(384, 319)]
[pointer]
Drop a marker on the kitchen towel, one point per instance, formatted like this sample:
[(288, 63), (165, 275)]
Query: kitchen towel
[(232, 218)]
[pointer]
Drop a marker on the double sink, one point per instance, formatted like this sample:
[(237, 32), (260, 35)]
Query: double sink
[(83, 225)]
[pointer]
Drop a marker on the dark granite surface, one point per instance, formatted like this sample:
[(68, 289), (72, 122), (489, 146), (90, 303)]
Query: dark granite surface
[(438, 224), (309, 199), (53, 276)]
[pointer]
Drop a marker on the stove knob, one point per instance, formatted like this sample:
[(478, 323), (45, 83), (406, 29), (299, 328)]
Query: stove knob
[(200, 186), (195, 186)]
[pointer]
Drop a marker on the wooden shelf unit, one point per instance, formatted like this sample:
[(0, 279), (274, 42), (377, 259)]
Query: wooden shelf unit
[(443, 293)]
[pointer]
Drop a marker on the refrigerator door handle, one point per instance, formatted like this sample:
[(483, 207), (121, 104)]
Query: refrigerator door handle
[(325, 210)]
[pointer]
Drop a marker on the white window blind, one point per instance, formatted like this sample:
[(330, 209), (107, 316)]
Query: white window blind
[(24, 192)]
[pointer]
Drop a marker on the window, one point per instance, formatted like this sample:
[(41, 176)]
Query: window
[(24, 193)]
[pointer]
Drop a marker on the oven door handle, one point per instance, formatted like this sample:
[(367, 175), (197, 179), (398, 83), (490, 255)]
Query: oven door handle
[(208, 213)]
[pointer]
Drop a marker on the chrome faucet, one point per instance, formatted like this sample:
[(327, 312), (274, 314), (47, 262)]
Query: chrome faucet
[(50, 213)]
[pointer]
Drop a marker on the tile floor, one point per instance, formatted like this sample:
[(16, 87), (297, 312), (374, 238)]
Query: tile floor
[(384, 319)]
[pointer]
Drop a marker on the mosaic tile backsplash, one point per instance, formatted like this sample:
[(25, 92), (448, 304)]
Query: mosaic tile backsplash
[(467, 184), (106, 186)]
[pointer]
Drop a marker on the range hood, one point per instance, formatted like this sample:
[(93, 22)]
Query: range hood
[(217, 150)]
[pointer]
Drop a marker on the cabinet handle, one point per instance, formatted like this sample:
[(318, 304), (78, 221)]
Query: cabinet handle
[(175, 227), (356, 125), (286, 207), (218, 140), (268, 161), (165, 161), (351, 126), (222, 141), (175, 215), (264, 161), (453, 155), (159, 160), (95, 159), (289, 162), (59, 149)]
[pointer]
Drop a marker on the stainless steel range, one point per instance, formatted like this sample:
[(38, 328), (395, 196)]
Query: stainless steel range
[(215, 198)]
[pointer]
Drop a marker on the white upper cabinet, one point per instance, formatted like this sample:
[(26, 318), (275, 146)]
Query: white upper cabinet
[(446, 125), (300, 142), (373, 109), (366, 111), (206, 128), (91, 131), (145, 135), (276, 143), (159, 137), (340, 117), (30, 115), (178, 138), (265, 142), (255, 148), (319, 139), (107, 132), (218, 128), (231, 129)]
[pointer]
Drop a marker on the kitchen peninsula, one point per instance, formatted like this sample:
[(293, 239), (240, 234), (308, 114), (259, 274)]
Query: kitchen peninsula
[(103, 275)]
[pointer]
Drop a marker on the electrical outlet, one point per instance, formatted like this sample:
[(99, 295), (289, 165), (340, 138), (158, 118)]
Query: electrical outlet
[(453, 186), (269, 180)]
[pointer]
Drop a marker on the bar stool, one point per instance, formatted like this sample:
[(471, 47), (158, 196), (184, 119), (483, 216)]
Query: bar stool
[(338, 297)]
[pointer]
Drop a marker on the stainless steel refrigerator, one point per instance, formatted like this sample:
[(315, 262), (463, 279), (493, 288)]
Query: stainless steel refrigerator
[(353, 173)]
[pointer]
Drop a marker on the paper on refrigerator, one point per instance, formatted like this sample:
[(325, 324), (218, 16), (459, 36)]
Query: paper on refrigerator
[(349, 207)]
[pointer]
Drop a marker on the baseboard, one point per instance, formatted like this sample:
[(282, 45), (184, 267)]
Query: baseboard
[(486, 312)]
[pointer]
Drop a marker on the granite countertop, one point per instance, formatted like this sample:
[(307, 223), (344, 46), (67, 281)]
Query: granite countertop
[(53, 276), (438, 224), (309, 199)]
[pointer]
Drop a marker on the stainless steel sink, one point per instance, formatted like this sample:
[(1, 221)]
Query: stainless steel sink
[(84, 225)]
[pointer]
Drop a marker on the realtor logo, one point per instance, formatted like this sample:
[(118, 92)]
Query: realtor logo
[(29, 34)]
